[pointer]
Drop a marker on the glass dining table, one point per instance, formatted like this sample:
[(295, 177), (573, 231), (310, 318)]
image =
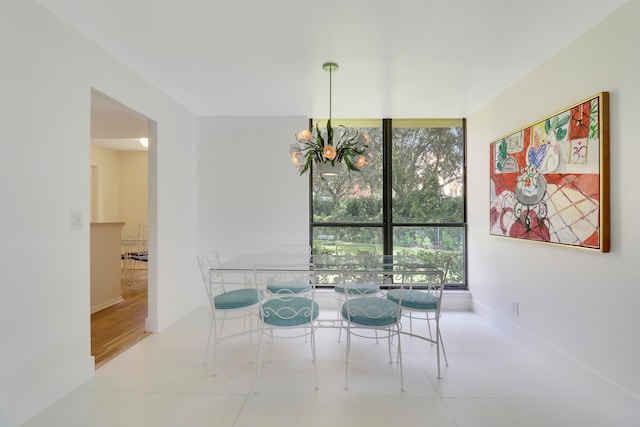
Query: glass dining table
[(327, 263), (388, 270)]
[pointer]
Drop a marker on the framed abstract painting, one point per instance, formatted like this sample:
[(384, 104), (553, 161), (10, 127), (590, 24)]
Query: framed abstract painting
[(549, 182)]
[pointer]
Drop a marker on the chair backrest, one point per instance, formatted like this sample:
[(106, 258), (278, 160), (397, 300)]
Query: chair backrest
[(207, 261), (292, 250), (445, 268), (284, 275), (363, 301), (293, 307), (362, 277), (442, 260), (415, 278), (372, 268)]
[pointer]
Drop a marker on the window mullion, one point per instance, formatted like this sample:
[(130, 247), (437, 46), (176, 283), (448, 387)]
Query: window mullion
[(387, 194)]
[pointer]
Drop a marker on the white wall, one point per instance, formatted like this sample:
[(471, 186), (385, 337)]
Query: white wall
[(133, 186), (107, 164), (582, 313), (250, 196), (122, 187), (48, 71)]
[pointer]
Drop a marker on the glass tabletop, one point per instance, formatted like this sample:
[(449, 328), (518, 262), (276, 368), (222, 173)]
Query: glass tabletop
[(392, 264)]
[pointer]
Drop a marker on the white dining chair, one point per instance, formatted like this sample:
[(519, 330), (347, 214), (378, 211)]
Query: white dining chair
[(422, 300), (294, 313), (378, 314), (229, 295)]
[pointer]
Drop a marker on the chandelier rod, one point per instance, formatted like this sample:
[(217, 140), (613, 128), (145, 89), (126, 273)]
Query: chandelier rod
[(330, 67), (330, 92)]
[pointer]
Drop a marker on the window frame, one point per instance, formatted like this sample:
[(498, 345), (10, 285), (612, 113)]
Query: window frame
[(387, 223)]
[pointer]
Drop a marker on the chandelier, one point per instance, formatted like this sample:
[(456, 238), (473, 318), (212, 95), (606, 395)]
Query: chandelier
[(328, 149)]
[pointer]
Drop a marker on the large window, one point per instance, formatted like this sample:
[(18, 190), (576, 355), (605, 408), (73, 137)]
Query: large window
[(408, 199)]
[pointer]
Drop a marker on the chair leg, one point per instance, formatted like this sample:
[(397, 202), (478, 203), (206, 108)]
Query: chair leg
[(262, 342), (429, 325), (271, 345), (313, 344), (313, 357), (400, 359), (391, 332), (250, 314), (339, 316), (216, 340), (219, 332), (206, 350), (438, 359), (259, 362), (346, 376), (437, 341), (444, 353), (439, 345)]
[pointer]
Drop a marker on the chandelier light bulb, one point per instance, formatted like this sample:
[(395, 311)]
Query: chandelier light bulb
[(304, 135)]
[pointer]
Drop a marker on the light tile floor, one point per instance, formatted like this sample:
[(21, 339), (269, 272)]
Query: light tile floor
[(491, 381)]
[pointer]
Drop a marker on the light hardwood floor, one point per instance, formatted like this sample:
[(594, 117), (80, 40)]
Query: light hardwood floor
[(116, 328)]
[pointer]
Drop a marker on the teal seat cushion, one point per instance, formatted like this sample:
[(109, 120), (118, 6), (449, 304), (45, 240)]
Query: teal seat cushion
[(289, 311), (414, 299), (368, 311), (237, 298), (355, 289), (291, 288)]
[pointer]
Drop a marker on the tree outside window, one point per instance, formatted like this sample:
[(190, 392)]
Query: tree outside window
[(418, 209)]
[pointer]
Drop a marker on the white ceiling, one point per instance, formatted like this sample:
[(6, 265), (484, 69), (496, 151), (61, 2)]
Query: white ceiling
[(115, 126), (402, 58), (120, 144)]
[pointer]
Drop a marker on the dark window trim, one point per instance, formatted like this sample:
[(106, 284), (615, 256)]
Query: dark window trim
[(387, 225)]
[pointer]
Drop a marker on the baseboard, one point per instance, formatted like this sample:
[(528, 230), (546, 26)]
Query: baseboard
[(44, 394), (456, 301), (624, 400), (106, 304), (151, 324)]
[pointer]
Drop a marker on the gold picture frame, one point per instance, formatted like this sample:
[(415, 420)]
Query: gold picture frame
[(549, 181)]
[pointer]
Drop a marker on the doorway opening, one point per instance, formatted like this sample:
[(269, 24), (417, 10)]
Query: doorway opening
[(120, 191)]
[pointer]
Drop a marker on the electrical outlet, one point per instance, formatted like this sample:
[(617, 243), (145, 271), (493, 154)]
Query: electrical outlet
[(516, 308)]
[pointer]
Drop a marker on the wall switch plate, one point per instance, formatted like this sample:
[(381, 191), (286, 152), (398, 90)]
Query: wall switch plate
[(76, 220)]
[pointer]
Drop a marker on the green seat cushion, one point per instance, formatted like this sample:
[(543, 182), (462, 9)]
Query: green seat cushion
[(368, 311), (414, 299), (237, 298), (355, 289), (289, 311), (291, 288)]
